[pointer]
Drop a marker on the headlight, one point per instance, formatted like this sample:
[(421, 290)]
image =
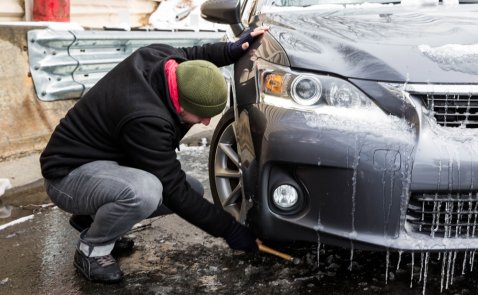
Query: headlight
[(345, 94), (306, 90), (309, 90)]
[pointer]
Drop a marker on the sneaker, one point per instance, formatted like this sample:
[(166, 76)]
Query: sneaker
[(103, 269), (123, 246)]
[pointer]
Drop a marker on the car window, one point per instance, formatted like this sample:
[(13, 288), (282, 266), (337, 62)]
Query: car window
[(303, 3), (247, 6)]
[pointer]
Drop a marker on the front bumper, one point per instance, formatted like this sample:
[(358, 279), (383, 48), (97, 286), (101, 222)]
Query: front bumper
[(358, 171)]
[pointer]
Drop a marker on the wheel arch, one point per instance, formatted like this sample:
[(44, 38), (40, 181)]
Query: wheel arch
[(243, 145)]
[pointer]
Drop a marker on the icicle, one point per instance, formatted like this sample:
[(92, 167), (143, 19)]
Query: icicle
[(435, 221), (387, 259), (448, 218), (439, 256), (358, 150), (443, 263), (472, 260), (425, 273), (448, 268), (450, 227), (453, 268), (447, 221), (436, 216), (463, 267), (351, 255), (318, 253), (470, 211), (423, 217), (458, 218), (399, 259), (413, 265), (469, 214), (474, 221), (421, 266)]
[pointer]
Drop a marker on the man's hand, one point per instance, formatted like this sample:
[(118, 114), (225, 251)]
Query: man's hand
[(256, 33), (238, 48), (241, 238)]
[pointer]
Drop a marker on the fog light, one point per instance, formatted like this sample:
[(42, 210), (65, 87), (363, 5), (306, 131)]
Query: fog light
[(285, 196)]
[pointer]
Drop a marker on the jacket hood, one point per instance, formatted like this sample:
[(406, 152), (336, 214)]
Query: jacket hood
[(387, 43)]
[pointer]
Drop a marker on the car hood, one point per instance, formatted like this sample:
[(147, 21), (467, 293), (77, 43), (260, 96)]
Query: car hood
[(386, 43)]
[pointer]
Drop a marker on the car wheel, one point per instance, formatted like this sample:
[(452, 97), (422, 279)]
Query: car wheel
[(225, 175)]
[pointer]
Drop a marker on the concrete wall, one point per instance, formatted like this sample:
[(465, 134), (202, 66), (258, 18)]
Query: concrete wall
[(26, 123)]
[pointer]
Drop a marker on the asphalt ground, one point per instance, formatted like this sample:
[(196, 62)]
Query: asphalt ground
[(173, 257)]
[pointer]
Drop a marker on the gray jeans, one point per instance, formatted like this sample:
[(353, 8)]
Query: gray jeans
[(118, 197)]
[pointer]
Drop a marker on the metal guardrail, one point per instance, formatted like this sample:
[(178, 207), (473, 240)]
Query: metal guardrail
[(66, 64)]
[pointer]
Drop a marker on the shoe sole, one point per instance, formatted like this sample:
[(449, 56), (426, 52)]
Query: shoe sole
[(85, 275)]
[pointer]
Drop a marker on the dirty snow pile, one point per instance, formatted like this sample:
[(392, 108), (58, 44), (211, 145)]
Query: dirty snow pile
[(4, 185)]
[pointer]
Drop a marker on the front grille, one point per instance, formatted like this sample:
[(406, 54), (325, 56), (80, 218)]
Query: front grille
[(452, 110), (444, 215)]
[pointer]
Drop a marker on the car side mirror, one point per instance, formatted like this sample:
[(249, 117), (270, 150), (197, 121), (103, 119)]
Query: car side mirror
[(223, 12)]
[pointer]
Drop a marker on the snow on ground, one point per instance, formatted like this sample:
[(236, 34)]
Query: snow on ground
[(16, 221), (4, 185)]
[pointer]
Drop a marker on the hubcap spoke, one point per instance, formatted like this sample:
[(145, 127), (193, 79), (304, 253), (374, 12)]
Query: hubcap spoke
[(230, 153), (227, 173), (233, 197)]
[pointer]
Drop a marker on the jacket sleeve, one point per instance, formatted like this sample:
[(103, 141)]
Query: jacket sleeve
[(217, 53), (150, 145)]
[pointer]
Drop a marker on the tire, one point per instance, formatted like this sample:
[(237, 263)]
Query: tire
[(225, 176)]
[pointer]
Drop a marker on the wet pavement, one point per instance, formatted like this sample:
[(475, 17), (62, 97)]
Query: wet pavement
[(173, 257)]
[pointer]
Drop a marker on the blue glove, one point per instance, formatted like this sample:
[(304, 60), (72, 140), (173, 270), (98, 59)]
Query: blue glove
[(241, 238), (235, 48)]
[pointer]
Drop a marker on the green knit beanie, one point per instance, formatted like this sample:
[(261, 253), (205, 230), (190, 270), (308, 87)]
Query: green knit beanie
[(202, 88)]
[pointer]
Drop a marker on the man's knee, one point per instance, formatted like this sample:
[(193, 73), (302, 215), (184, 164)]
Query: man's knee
[(145, 193)]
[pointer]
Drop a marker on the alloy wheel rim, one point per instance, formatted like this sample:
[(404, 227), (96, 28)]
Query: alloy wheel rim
[(227, 172)]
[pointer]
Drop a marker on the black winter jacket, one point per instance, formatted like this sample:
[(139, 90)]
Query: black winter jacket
[(128, 117)]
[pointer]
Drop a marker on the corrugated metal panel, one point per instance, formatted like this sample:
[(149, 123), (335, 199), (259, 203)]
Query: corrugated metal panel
[(66, 64), (12, 10), (98, 14)]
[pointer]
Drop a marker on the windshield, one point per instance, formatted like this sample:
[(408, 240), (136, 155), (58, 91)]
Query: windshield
[(305, 3)]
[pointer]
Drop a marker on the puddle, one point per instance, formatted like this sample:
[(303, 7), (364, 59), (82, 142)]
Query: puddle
[(20, 202), (10, 213)]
